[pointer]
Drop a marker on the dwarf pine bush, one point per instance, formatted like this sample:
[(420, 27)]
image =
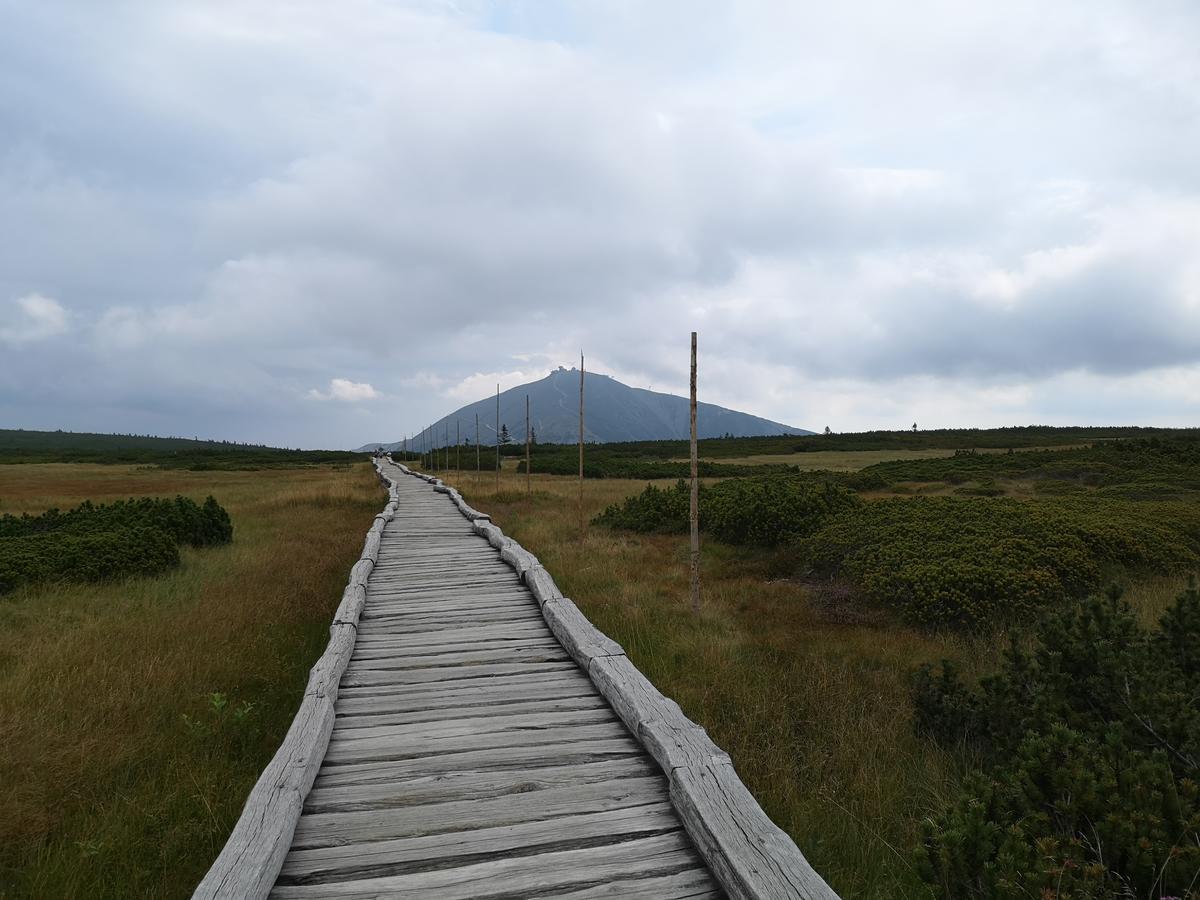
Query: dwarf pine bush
[(1090, 742), (97, 542), (765, 510)]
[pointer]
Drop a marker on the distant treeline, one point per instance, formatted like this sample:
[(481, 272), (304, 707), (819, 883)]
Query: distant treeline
[(665, 459), (179, 453)]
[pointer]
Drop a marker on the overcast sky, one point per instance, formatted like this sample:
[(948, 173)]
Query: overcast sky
[(319, 224)]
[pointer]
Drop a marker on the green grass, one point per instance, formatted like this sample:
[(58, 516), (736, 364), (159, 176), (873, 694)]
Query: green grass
[(122, 777)]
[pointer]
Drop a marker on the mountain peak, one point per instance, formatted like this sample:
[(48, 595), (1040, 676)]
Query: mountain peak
[(613, 412)]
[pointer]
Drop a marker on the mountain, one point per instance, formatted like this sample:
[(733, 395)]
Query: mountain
[(613, 412)]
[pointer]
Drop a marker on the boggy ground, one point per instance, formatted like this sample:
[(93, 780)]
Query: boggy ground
[(136, 716)]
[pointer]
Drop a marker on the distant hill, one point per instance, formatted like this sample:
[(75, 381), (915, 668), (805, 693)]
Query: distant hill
[(614, 412)]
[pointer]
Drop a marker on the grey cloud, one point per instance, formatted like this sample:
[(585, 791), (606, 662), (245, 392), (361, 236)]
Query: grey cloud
[(283, 195)]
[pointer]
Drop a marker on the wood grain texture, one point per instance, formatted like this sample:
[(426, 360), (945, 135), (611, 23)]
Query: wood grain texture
[(582, 640), (751, 857), (541, 585)]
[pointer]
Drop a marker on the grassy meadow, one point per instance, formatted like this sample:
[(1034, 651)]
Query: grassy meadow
[(136, 715), (808, 691)]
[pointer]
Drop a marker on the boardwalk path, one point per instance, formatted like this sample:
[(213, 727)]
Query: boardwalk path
[(474, 752), (470, 756)]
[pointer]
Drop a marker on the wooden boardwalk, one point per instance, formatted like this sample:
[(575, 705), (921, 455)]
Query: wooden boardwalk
[(467, 733), (470, 756)]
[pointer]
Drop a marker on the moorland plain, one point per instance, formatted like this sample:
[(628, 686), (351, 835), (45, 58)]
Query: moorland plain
[(140, 712), (137, 714)]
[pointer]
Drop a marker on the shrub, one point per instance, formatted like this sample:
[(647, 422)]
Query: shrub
[(1090, 744), (97, 542), (944, 561), (765, 510)]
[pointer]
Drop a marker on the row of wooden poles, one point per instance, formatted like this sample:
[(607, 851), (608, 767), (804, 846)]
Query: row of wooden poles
[(431, 452)]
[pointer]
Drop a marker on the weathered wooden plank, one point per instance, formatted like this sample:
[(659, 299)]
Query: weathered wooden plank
[(446, 712), (583, 640), (669, 736), (350, 703), (519, 876), (401, 855), (690, 884), (325, 829), (750, 856), (350, 749), (541, 585), (467, 785), (466, 634), (551, 653), (563, 752), (530, 641), (528, 681), (463, 673), (423, 733)]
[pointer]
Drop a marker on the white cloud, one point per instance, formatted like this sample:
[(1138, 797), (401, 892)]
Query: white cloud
[(35, 318), (345, 391)]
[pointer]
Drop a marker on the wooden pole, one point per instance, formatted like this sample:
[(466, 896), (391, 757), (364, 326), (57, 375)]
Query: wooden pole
[(694, 506), (497, 438), (581, 445), (477, 463), (458, 447), (528, 483)]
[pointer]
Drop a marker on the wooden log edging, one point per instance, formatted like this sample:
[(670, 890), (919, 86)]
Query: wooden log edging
[(751, 857), (252, 857)]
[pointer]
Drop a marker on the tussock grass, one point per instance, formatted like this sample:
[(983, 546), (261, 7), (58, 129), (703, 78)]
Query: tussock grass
[(135, 716)]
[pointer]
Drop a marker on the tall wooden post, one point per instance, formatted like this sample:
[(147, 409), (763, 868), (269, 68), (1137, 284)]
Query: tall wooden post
[(528, 483), (458, 447), (581, 445), (497, 438), (478, 466), (694, 506)]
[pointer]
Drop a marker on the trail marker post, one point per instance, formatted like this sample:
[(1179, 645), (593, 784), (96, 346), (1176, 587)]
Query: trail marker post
[(528, 482), (694, 506), (478, 465), (497, 439), (580, 445), (458, 447)]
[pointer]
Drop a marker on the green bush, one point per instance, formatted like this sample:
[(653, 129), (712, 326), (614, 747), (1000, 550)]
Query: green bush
[(1090, 744), (971, 563), (763, 510), (97, 542)]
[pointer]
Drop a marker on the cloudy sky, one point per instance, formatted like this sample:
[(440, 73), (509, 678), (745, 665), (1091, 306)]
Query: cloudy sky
[(318, 224)]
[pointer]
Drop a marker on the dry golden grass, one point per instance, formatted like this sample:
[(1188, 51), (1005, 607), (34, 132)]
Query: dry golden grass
[(809, 697), (121, 776)]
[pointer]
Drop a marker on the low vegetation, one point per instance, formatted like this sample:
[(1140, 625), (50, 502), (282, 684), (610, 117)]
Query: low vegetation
[(981, 562), (91, 542), (761, 510), (136, 715), (1090, 749)]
